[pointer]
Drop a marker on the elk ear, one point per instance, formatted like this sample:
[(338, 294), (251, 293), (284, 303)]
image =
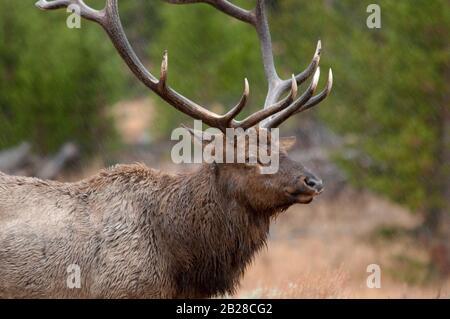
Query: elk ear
[(287, 143), (199, 137), (208, 142)]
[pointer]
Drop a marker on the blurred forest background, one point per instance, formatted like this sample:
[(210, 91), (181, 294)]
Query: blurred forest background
[(388, 117)]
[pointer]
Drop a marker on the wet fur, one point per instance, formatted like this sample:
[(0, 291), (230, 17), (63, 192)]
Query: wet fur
[(134, 232)]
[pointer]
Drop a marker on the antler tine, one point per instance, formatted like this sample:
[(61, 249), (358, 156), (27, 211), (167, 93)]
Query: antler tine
[(224, 6), (228, 118), (303, 76), (86, 11), (56, 4), (283, 85), (164, 70), (265, 113), (321, 96), (291, 109)]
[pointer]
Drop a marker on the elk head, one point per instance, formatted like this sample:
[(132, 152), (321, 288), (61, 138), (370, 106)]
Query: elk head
[(253, 167), (292, 183)]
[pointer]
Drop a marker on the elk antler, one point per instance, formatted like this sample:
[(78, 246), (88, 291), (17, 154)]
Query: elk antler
[(275, 111)]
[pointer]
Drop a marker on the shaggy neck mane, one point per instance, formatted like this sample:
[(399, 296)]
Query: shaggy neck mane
[(207, 231), (216, 233)]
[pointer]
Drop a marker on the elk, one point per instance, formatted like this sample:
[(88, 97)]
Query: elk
[(135, 232)]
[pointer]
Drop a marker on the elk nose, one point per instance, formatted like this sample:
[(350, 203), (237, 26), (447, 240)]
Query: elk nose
[(314, 183)]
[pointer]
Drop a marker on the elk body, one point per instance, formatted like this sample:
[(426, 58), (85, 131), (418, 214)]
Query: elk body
[(136, 232)]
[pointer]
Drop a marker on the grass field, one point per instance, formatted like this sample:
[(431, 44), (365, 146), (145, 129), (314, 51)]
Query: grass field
[(322, 251)]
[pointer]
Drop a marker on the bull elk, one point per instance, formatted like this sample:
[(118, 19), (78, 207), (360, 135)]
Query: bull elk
[(137, 232)]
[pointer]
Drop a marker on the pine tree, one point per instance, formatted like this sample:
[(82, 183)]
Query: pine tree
[(55, 82)]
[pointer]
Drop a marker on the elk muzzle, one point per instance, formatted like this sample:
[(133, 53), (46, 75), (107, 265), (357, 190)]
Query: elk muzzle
[(307, 187)]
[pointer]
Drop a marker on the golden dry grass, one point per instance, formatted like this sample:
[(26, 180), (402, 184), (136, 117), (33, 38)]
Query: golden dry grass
[(322, 251)]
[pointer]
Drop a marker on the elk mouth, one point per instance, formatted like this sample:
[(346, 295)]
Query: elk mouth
[(302, 195)]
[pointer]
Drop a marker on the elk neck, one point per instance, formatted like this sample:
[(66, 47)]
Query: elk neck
[(213, 234)]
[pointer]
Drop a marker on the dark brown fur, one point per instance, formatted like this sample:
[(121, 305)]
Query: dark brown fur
[(137, 232)]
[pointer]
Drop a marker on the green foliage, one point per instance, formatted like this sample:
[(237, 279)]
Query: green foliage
[(55, 82), (389, 90), (410, 269), (141, 22)]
